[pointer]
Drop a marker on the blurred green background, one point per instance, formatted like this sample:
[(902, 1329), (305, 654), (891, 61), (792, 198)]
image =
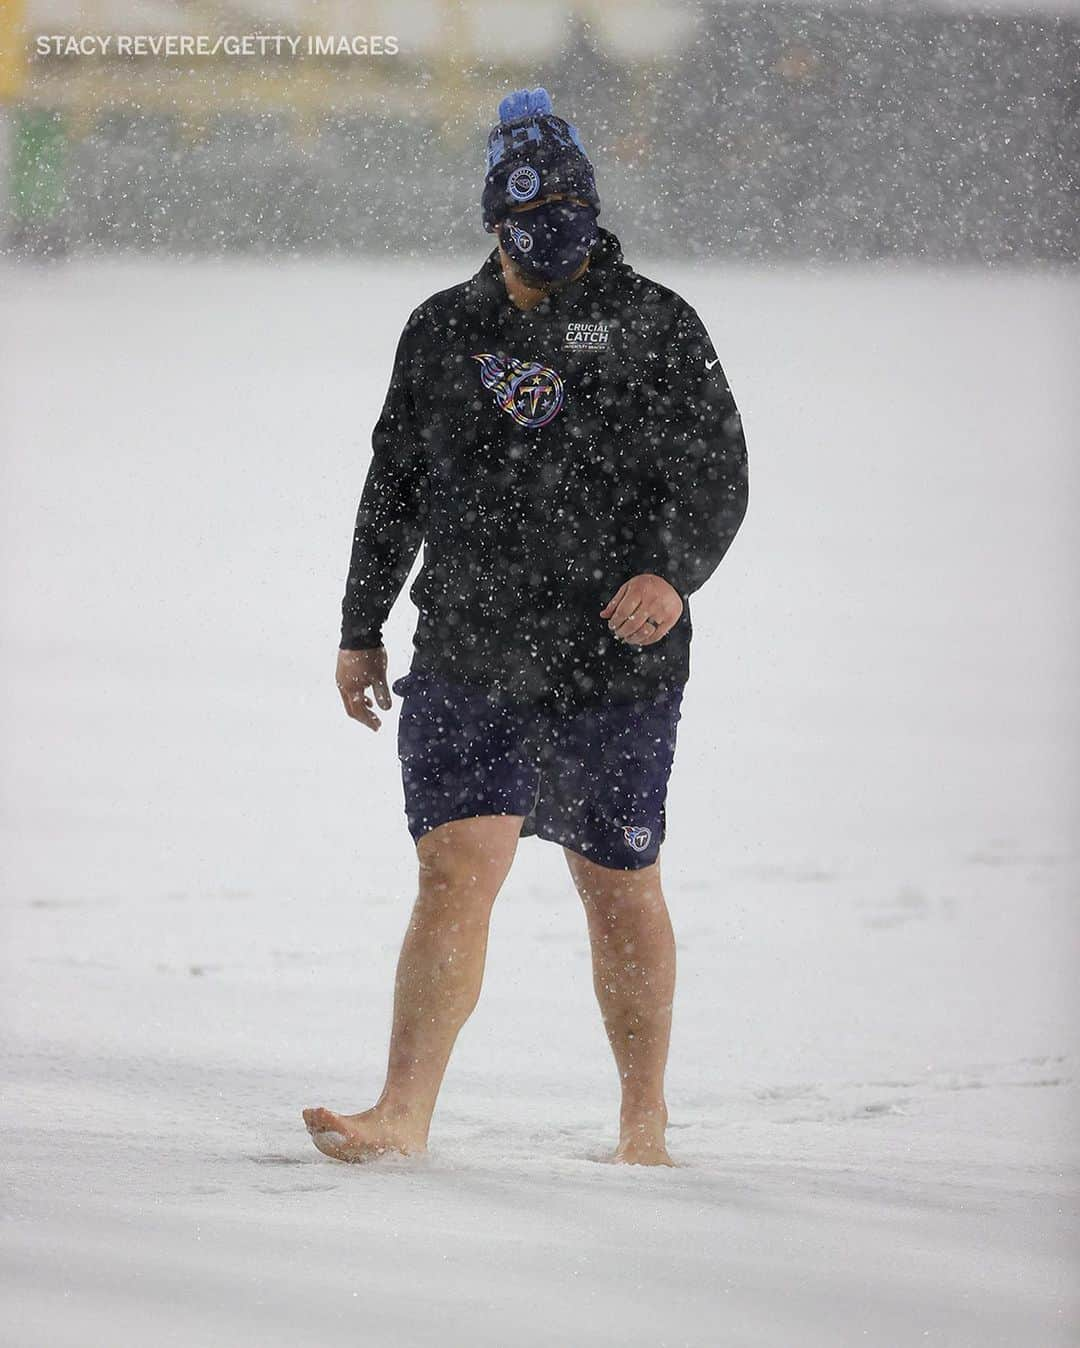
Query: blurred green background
[(767, 130)]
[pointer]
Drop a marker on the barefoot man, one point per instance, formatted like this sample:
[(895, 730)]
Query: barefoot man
[(560, 435)]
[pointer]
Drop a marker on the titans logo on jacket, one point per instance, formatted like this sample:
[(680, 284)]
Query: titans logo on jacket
[(532, 394)]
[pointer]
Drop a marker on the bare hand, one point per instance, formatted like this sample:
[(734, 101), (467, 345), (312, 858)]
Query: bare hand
[(357, 671), (643, 610)]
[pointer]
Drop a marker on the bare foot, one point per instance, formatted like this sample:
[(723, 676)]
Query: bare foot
[(360, 1137), (641, 1138), (639, 1150)]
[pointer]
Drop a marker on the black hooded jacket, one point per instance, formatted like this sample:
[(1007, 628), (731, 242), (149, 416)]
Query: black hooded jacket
[(543, 458)]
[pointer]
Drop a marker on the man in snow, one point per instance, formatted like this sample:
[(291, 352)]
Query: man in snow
[(560, 435)]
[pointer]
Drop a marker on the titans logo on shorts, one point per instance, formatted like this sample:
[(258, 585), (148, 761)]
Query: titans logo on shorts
[(530, 393), (593, 780)]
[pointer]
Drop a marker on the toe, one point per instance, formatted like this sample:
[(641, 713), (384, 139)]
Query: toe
[(312, 1116), (323, 1120)]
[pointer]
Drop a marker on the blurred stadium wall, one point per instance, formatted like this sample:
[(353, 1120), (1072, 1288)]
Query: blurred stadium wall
[(725, 130)]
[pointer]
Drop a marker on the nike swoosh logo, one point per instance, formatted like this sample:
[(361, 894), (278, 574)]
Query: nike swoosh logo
[(710, 363)]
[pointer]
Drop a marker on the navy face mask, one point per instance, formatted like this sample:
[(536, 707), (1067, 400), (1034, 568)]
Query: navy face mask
[(550, 242)]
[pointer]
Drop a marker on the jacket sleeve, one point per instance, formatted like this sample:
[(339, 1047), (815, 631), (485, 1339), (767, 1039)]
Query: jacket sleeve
[(391, 515), (699, 490)]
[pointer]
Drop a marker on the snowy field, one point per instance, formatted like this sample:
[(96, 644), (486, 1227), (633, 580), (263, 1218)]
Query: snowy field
[(871, 862)]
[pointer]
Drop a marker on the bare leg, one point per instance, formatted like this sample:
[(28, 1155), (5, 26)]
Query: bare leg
[(633, 954), (462, 868)]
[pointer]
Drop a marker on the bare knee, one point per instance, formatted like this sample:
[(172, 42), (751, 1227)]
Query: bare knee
[(613, 896), (455, 882), (463, 864)]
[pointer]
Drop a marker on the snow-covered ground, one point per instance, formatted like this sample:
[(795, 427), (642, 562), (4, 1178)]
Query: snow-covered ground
[(871, 862)]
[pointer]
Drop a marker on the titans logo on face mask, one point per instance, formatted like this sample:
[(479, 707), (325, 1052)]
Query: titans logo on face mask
[(551, 241)]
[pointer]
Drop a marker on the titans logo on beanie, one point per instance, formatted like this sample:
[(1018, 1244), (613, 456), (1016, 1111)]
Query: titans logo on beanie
[(532, 153)]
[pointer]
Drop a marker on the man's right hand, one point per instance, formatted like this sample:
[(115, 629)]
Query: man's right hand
[(357, 671)]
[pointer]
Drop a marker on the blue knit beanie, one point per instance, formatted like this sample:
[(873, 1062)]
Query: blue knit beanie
[(532, 153)]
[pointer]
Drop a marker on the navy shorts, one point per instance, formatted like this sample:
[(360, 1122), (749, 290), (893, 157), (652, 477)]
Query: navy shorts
[(593, 780)]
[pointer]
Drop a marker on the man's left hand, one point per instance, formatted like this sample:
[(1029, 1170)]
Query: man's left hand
[(643, 610)]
